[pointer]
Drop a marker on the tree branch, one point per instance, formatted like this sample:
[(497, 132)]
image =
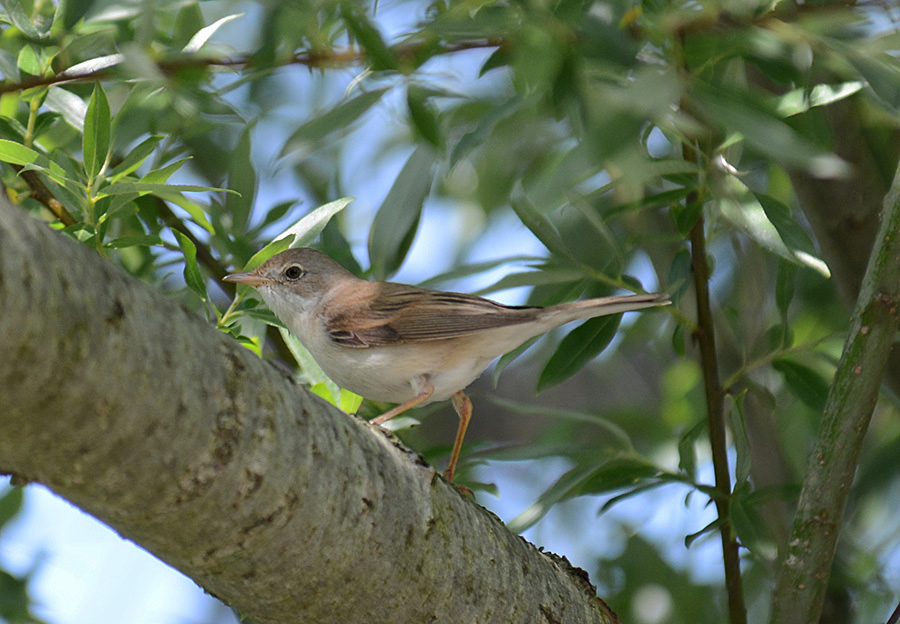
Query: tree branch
[(332, 58), (806, 566), (715, 411), (143, 415)]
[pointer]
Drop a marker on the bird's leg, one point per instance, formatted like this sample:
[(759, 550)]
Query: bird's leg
[(424, 389), (463, 407)]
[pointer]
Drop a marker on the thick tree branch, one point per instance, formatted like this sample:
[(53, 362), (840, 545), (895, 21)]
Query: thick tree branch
[(806, 566), (143, 415)]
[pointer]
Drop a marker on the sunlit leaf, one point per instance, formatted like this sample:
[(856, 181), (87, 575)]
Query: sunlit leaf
[(275, 247), (203, 35), (18, 154), (20, 19), (97, 133), (144, 240), (801, 100), (70, 106), (306, 229), (135, 157)]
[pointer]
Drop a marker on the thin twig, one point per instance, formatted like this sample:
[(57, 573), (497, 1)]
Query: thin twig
[(332, 58), (715, 411)]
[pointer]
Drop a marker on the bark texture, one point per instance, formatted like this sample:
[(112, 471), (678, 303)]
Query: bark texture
[(137, 411)]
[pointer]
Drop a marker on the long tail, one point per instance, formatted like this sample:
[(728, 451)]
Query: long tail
[(589, 308)]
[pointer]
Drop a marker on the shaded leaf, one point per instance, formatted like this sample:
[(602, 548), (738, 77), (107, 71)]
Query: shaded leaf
[(192, 275), (424, 115), (578, 348), (368, 37), (338, 118), (242, 180), (805, 383), (540, 226), (741, 440), (397, 218), (765, 131)]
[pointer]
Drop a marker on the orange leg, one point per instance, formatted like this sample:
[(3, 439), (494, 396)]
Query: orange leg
[(426, 391), (463, 407)]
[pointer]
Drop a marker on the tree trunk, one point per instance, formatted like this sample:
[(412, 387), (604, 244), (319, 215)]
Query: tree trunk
[(142, 414)]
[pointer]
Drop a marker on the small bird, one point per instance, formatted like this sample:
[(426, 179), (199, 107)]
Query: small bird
[(404, 344)]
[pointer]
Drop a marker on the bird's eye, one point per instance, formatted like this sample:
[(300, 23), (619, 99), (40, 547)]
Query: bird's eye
[(294, 272)]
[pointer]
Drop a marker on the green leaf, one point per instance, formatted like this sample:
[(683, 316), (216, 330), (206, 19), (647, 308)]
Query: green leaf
[(338, 118), (196, 213), (687, 450), (18, 154), (794, 237), (242, 180), (540, 226), (10, 504), (555, 275), (161, 190), (203, 35), (192, 275), (424, 115), (20, 19), (306, 229), (161, 175), (97, 130), (746, 211), (467, 270), (275, 247), (741, 440), (310, 371), (801, 100), (805, 383), (143, 240), (398, 217), (765, 131), (68, 12), (70, 106), (368, 37), (882, 74), (784, 287), (135, 157), (611, 473), (28, 62), (507, 358), (578, 348), (348, 401)]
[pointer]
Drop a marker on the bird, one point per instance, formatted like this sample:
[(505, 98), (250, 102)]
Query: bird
[(405, 344)]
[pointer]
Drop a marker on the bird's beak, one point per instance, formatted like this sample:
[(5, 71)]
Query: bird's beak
[(250, 279)]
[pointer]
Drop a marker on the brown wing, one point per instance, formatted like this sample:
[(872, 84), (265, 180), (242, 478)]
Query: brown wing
[(401, 314)]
